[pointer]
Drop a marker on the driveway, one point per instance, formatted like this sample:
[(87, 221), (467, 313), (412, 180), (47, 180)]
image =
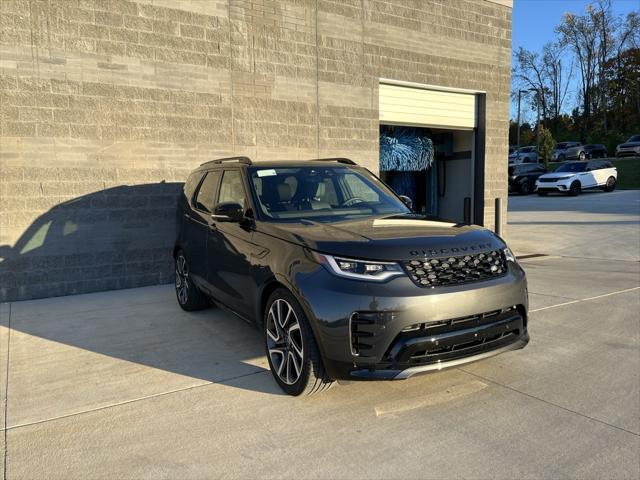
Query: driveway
[(125, 384)]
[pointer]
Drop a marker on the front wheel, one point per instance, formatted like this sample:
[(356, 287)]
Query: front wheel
[(610, 185), (582, 156), (189, 296), (291, 348), (575, 188), (525, 188)]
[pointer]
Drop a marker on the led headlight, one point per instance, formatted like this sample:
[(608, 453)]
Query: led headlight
[(508, 254), (359, 269)]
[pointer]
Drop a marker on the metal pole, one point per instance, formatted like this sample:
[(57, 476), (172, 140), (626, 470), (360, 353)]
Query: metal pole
[(467, 210), (518, 134), (498, 216), (538, 127)]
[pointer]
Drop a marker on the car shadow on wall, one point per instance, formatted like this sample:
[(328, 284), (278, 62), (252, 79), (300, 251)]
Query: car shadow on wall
[(114, 239)]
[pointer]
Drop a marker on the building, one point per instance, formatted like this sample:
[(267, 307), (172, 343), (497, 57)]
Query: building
[(106, 105)]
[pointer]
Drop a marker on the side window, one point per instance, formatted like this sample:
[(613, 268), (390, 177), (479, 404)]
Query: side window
[(231, 188), (357, 188), (191, 184), (607, 165), (206, 193)]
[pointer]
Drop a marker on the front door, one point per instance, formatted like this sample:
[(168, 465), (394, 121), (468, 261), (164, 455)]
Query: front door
[(229, 251)]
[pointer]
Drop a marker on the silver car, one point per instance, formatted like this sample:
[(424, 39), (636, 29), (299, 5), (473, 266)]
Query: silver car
[(524, 155), (629, 148), (568, 150)]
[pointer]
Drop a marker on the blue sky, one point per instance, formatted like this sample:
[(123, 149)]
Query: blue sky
[(534, 22)]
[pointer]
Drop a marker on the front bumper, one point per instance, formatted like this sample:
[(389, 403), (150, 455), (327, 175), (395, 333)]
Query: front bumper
[(550, 187), (395, 329), (628, 152)]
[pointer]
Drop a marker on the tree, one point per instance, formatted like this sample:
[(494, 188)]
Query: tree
[(547, 145), (580, 33), (556, 75), (529, 73)]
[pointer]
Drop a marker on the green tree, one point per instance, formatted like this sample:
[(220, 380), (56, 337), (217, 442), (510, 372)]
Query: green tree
[(547, 144)]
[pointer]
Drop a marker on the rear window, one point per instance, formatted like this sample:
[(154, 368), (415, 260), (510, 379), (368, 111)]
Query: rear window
[(206, 193)]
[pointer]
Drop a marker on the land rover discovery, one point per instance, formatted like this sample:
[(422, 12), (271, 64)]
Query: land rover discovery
[(343, 279)]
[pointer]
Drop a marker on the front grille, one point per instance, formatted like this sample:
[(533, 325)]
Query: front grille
[(447, 271), (548, 180)]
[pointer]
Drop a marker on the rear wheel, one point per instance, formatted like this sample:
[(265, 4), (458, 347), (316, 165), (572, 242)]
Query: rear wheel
[(292, 351), (561, 157), (189, 296), (582, 156), (610, 185), (575, 188)]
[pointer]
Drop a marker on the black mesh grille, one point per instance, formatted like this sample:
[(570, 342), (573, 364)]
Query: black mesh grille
[(548, 180), (440, 272)]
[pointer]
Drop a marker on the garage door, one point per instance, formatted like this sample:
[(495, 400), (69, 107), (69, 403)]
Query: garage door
[(402, 105)]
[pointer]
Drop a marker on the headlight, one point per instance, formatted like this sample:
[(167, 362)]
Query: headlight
[(509, 254), (359, 269)]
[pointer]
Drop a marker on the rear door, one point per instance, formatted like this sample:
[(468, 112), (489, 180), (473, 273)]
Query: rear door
[(229, 250), (196, 225)]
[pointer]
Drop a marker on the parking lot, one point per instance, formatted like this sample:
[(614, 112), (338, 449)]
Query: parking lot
[(125, 384)]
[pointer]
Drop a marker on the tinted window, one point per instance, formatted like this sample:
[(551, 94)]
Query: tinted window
[(635, 138), (191, 184), (231, 189), (206, 192), (607, 165), (293, 193), (572, 167), (540, 169), (561, 146)]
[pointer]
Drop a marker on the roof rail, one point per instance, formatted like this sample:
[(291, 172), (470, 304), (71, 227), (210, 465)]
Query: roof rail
[(243, 160), (346, 161)]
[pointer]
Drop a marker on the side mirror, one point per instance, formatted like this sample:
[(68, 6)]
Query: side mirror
[(228, 212), (407, 201)]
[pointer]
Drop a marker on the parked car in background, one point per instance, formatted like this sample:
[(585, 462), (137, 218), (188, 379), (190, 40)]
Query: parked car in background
[(630, 148), (568, 150), (522, 177), (512, 149), (527, 154), (595, 150), (573, 177)]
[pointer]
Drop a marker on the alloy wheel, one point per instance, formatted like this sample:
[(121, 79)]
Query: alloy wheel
[(182, 279), (284, 341)]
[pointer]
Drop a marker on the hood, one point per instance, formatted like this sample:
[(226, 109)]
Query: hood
[(401, 237), (629, 144)]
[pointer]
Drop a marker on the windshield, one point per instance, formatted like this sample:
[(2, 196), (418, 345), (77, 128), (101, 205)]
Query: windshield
[(635, 138), (572, 167), (561, 146), (292, 193)]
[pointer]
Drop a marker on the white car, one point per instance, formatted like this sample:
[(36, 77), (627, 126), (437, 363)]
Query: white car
[(573, 177)]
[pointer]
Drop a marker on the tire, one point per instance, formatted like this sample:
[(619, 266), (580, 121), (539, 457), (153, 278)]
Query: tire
[(582, 156), (525, 188), (610, 186), (542, 194), (561, 157), (291, 347), (189, 296), (575, 188), (525, 160)]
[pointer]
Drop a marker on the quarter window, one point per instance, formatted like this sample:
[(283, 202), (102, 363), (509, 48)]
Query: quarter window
[(206, 193)]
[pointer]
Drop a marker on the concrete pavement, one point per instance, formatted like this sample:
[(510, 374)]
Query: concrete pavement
[(594, 224), (125, 384)]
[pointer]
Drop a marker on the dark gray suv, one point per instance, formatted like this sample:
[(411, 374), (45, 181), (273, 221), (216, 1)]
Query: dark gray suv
[(341, 277)]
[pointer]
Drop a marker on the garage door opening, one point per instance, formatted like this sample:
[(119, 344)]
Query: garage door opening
[(434, 167), (428, 143)]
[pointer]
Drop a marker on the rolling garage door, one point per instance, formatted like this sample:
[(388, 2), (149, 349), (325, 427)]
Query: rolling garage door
[(407, 105)]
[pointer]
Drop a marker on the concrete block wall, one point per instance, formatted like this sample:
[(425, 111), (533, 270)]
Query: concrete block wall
[(106, 105)]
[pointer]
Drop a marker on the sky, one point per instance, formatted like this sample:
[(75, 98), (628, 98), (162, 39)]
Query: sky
[(534, 22)]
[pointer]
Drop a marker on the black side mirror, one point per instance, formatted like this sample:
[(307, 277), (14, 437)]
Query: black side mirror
[(407, 201), (228, 212)]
